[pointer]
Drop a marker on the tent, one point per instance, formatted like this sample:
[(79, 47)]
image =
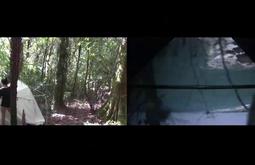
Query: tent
[(26, 102), (185, 83)]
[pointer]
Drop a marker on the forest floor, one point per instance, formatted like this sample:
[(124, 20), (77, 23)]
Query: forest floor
[(75, 113)]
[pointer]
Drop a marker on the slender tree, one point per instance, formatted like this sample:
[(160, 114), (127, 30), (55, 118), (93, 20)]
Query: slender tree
[(76, 71), (44, 59), (16, 47)]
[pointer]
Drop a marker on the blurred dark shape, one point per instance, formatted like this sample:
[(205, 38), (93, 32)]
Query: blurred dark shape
[(251, 116), (230, 52), (247, 45), (243, 58), (155, 113), (238, 50), (141, 50)]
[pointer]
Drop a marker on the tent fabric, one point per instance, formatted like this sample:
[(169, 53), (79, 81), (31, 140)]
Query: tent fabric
[(26, 102), (193, 61)]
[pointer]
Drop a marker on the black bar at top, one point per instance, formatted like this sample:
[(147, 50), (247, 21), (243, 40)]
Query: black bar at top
[(204, 87)]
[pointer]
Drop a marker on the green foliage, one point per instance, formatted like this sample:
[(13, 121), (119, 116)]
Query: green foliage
[(4, 57)]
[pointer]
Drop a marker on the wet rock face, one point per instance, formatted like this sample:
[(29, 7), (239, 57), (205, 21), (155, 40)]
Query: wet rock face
[(235, 57)]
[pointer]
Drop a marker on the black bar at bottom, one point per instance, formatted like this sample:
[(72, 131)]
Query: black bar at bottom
[(204, 87)]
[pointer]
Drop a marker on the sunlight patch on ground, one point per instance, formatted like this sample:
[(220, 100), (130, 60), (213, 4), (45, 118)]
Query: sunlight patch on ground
[(88, 123), (78, 104)]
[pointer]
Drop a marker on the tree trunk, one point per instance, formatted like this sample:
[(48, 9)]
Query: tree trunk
[(39, 52), (116, 107), (61, 73), (86, 75), (44, 59), (122, 114), (16, 47), (76, 72), (49, 70)]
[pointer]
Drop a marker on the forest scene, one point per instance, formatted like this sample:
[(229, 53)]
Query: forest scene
[(74, 80)]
